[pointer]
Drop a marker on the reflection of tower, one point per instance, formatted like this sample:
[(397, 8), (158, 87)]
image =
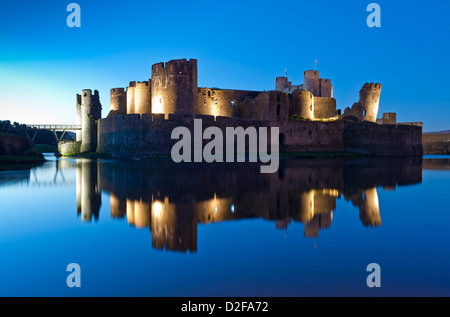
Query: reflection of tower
[(369, 209), (89, 201), (118, 206), (320, 221), (138, 213), (79, 185), (316, 210), (173, 226)]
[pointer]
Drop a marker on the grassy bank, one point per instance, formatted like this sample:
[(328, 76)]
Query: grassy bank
[(93, 155), (24, 162), (21, 159), (45, 148)]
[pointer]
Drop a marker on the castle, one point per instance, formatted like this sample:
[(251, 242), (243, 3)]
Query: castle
[(173, 89), (142, 116)]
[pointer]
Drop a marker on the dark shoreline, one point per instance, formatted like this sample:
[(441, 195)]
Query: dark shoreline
[(20, 162)]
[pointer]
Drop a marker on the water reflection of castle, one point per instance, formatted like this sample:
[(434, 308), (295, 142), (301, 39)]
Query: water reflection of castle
[(171, 200)]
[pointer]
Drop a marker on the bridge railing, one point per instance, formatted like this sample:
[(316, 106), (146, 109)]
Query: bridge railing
[(54, 126)]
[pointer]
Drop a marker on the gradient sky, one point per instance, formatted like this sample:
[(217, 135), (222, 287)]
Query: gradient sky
[(241, 44)]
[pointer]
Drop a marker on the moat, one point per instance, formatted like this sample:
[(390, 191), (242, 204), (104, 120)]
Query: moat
[(140, 228)]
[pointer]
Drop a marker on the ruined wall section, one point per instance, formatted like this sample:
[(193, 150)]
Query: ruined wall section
[(174, 87), (261, 107), (324, 107), (91, 111), (225, 102), (326, 89), (388, 118)]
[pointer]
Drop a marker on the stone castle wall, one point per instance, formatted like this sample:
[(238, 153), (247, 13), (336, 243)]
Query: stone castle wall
[(436, 143), (383, 140), (324, 107)]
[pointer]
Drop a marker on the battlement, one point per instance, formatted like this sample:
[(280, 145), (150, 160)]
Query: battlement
[(180, 66), (372, 86), (142, 84), (87, 92), (159, 118), (118, 90), (132, 84), (311, 73)]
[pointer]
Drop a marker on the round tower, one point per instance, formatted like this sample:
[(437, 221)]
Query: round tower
[(130, 97), (78, 122), (142, 100), (281, 83), (369, 100), (91, 111), (303, 104), (118, 100), (311, 82), (174, 87)]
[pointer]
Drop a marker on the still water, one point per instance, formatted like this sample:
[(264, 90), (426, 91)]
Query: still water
[(160, 229)]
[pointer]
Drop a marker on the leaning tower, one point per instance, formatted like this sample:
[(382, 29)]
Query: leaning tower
[(369, 100)]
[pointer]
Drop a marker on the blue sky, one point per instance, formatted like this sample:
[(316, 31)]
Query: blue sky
[(239, 45)]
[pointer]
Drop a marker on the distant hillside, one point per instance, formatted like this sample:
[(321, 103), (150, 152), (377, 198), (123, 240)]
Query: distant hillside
[(445, 131)]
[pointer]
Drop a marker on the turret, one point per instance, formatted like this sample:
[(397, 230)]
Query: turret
[(303, 104), (142, 97), (118, 100), (369, 100), (91, 111), (282, 83), (174, 87), (311, 82), (78, 122), (130, 97)]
